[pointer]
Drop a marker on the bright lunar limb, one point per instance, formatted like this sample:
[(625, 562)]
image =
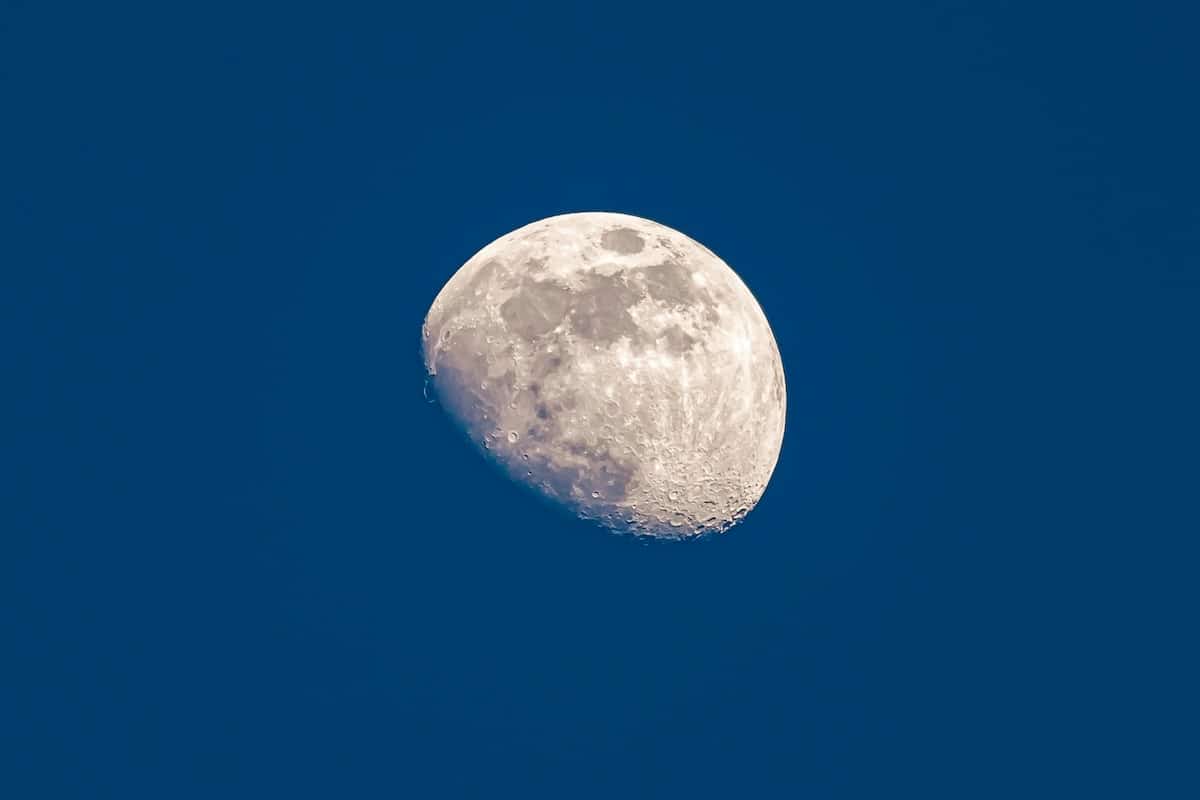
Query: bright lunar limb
[(616, 366)]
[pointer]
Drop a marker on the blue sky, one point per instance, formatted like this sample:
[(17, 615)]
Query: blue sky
[(246, 558)]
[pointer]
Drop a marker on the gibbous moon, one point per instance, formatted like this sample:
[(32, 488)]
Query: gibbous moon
[(615, 366)]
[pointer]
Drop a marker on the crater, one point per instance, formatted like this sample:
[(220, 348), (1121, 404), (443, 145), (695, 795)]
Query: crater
[(622, 240)]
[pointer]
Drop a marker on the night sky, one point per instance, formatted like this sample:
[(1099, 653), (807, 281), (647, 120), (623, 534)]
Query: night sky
[(241, 555)]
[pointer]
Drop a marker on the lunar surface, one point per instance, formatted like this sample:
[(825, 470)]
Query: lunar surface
[(616, 366)]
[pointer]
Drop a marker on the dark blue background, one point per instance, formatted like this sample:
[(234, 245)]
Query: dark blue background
[(242, 557)]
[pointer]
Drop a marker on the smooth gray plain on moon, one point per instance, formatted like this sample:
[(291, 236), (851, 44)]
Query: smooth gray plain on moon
[(616, 366)]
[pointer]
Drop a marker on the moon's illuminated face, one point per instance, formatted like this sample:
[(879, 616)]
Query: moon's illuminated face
[(618, 367)]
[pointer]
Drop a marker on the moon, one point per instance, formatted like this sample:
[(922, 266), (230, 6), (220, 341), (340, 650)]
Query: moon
[(617, 367)]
